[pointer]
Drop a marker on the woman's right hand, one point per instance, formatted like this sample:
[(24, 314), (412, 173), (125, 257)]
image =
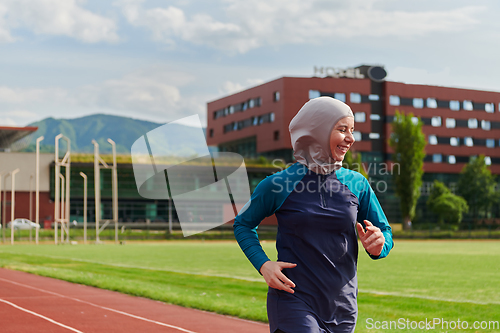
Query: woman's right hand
[(271, 271)]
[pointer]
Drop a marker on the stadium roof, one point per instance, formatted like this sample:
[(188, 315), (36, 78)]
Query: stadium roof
[(11, 135)]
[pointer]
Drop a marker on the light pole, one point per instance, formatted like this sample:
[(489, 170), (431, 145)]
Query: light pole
[(31, 204), (115, 189), (4, 205), (84, 207), (65, 162), (13, 204), (1, 210), (97, 187), (37, 186)]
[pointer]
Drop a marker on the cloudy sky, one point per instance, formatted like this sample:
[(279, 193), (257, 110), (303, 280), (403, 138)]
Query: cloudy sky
[(162, 60)]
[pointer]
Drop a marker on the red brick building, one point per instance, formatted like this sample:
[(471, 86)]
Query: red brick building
[(458, 123)]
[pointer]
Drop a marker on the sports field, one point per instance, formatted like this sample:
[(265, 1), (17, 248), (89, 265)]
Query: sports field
[(421, 281)]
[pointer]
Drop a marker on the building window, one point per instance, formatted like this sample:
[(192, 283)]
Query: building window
[(433, 140), (314, 94), (468, 106), (450, 123), (452, 159), (244, 106), (454, 141), (355, 98), (276, 96), (231, 109), (357, 135), (339, 96), (394, 100), (455, 105), (486, 125), (360, 117), (426, 188), (375, 117), (418, 103), (489, 107), (374, 136), (468, 141), (211, 132), (490, 143), (431, 103), (436, 121), (487, 160), (276, 135), (271, 117), (251, 103), (255, 121), (414, 120), (437, 158), (373, 97), (472, 123)]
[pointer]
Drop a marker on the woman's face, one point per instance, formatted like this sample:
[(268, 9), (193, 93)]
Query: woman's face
[(341, 138)]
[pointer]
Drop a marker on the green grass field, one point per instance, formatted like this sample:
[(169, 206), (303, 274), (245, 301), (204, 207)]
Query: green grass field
[(420, 280)]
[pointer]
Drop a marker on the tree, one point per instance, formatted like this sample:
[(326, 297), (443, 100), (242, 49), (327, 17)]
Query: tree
[(446, 205), (352, 161), (477, 185), (408, 142)]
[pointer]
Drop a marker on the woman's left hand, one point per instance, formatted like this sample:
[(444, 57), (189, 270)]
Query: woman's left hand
[(372, 239)]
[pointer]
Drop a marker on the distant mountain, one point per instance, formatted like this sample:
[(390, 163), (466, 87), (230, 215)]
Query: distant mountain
[(81, 131)]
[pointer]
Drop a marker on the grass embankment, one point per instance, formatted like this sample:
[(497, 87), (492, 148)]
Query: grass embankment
[(419, 280)]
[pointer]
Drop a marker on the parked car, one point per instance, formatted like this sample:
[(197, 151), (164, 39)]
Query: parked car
[(22, 224)]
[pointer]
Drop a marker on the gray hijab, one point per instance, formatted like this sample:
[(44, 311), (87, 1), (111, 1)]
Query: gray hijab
[(310, 133)]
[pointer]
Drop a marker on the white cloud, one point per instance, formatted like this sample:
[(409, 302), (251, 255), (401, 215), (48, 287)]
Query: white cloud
[(420, 76), (168, 24), (131, 93), (16, 117), (153, 93), (444, 77), (31, 95), (8, 122), (55, 17), (230, 87), (252, 24), (24, 114), (5, 35)]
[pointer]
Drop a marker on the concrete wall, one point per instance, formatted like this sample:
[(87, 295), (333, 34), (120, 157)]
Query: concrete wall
[(26, 163)]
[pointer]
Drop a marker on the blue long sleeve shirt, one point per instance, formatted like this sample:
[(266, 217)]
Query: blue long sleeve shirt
[(316, 217)]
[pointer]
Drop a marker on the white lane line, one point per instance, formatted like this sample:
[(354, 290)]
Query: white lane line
[(101, 307), (40, 316), (383, 293)]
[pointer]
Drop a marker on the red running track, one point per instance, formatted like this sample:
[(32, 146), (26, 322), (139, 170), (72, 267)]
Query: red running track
[(31, 303)]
